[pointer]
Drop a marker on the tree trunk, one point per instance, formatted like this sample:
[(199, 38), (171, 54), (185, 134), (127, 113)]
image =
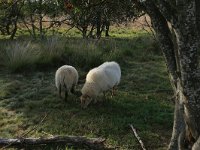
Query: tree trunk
[(27, 27), (90, 35), (16, 8), (107, 25), (32, 26), (32, 21), (98, 24), (15, 29), (41, 26), (84, 32), (40, 20), (179, 124), (188, 44), (183, 68), (8, 28)]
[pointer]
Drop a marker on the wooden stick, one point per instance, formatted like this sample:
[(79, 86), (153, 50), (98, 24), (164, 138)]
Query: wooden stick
[(76, 141), (137, 136), (72, 141), (24, 134)]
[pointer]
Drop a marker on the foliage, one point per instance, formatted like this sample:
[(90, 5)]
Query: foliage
[(35, 14), (10, 11), (39, 16), (18, 56), (54, 51), (98, 14)]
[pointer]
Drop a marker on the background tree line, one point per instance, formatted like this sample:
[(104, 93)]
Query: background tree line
[(91, 17)]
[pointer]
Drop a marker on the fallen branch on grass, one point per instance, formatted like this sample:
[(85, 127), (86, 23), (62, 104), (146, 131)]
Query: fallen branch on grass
[(137, 136), (79, 142), (75, 141)]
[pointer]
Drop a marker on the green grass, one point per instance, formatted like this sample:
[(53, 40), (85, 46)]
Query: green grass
[(143, 97)]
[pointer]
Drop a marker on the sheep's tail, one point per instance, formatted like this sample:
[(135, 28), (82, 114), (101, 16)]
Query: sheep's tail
[(61, 84), (65, 86), (66, 90)]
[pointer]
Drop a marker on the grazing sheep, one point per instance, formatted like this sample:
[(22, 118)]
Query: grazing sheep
[(66, 79), (99, 80)]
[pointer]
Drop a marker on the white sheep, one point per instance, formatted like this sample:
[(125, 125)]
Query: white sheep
[(99, 80), (66, 78)]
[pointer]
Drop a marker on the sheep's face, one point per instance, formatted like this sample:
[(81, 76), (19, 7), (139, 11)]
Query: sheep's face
[(85, 101)]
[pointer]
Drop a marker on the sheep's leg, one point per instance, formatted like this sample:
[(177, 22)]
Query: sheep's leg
[(59, 91), (66, 95), (66, 91), (73, 89), (113, 91)]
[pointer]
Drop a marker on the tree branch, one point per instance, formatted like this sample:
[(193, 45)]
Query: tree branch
[(137, 136), (196, 145), (75, 141), (169, 12)]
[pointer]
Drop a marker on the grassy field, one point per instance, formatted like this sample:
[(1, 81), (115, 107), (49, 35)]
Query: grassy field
[(28, 93)]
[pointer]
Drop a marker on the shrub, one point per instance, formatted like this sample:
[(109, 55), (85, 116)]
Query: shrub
[(83, 53), (18, 56), (51, 50), (55, 51)]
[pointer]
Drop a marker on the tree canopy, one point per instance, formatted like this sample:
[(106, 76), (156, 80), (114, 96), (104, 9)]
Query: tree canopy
[(86, 15)]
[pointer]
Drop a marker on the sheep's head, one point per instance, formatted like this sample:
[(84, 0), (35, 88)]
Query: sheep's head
[(85, 101)]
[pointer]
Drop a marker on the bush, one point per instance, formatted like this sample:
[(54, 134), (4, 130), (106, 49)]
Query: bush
[(82, 53), (18, 56), (51, 50)]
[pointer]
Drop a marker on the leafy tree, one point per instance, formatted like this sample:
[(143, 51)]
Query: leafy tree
[(88, 15), (10, 11), (35, 14)]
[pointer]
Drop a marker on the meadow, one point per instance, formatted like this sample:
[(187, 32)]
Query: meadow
[(143, 99)]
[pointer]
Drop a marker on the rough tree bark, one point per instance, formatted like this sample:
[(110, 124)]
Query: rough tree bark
[(198, 16), (183, 69)]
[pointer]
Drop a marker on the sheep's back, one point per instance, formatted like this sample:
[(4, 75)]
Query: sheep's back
[(67, 75), (105, 76), (112, 76), (95, 75), (98, 78), (113, 71)]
